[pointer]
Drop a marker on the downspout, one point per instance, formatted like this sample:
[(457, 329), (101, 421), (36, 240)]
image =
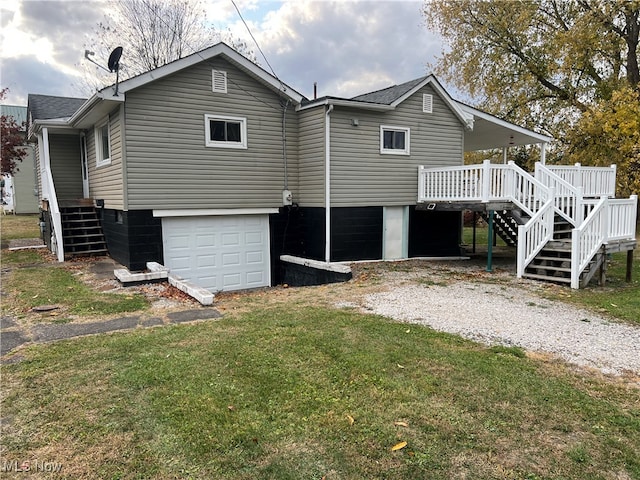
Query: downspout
[(327, 184), (57, 242)]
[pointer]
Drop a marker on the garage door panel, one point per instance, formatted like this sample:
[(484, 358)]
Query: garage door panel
[(219, 253), (254, 257), (255, 278)]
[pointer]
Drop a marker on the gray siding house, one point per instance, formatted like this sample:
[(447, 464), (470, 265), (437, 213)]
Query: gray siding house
[(215, 168)]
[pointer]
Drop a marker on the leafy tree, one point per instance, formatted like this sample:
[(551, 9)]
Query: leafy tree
[(152, 33), (611, 131), (12, 142), (545, 64)]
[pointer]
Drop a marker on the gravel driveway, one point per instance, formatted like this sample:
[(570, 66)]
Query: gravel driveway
[(498, 314)]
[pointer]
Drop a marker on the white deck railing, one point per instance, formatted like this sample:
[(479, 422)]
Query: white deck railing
[(566, 190), (495, 183), (596, 182)]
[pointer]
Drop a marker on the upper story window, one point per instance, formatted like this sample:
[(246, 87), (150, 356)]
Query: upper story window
[(225, 132), (103, 143), (394, 140), (218, 81)]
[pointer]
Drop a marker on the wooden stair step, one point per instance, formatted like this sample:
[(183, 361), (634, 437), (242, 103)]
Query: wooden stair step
[(536, 276), (550, 268), (552, 259)]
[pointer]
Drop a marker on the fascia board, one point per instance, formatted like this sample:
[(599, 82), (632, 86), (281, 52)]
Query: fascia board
[(337, 102)]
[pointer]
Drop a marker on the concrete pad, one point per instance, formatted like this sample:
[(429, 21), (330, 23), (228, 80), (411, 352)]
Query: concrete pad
[(49, 333), (11, 340), (190, 315)]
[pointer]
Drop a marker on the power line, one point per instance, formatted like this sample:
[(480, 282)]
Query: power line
[(254, 40)]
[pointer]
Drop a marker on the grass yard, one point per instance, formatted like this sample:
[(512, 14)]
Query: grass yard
[(32, 278), (18, 226), (287, 387), (293, 392)]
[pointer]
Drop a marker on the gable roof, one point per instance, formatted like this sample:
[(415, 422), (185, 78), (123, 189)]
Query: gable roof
[(389, 95), (46, 107), (18, 113), (220, 49), (389, 98), (106, 99)]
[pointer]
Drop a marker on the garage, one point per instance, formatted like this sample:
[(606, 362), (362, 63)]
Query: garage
[(228, 252)]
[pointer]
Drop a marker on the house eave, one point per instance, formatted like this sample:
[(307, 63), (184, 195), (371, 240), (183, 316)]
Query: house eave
[(53, 125), (492, 132), (343, 102)]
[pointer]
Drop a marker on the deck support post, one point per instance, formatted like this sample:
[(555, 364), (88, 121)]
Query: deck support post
[(627, 277), (475, 226), (490, 243)]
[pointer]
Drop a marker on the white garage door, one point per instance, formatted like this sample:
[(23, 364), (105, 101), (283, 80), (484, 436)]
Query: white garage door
[(218, 253)]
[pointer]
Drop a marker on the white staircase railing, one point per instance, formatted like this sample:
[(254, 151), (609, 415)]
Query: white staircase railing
[(49, 189), (534, 235), (568, 199)]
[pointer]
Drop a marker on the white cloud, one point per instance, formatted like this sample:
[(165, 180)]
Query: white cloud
[(348, 47)]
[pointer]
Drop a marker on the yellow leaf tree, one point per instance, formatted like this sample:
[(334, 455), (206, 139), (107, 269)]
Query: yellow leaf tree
[(544, 64)]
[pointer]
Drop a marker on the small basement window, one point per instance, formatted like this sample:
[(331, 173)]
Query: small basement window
[(394, 140), (225, 132)]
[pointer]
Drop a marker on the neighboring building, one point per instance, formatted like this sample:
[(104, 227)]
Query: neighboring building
[(21, 191), (215, 168)]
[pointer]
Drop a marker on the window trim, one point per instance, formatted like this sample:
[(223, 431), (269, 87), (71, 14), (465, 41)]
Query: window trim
[(395, 151), (99, 139), (242, 144)]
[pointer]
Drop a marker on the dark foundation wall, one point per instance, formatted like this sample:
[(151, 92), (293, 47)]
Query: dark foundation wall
[(356, 233), (434, 234), (133, 238)]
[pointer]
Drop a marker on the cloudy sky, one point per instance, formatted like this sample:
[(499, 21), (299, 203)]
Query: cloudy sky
[(348, 47)]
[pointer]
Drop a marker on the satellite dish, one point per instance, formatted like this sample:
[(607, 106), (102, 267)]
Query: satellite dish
[(114, 59)]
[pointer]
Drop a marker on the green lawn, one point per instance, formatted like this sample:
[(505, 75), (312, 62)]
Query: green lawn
[(293, 392), (18, 226)]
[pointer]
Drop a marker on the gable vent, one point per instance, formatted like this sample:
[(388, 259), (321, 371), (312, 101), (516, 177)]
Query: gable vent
[(427, 103), (219, 81)]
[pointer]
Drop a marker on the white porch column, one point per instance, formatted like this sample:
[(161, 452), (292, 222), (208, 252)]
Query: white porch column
[(543, 153), (504, 155)]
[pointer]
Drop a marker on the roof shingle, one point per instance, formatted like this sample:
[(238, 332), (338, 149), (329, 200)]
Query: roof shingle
[(388, 95), (45, 107)]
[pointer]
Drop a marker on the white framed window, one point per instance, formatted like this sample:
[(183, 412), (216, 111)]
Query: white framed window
[(427, 103), (103, 143), (394, 140), (218, 81), (225, 132)]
